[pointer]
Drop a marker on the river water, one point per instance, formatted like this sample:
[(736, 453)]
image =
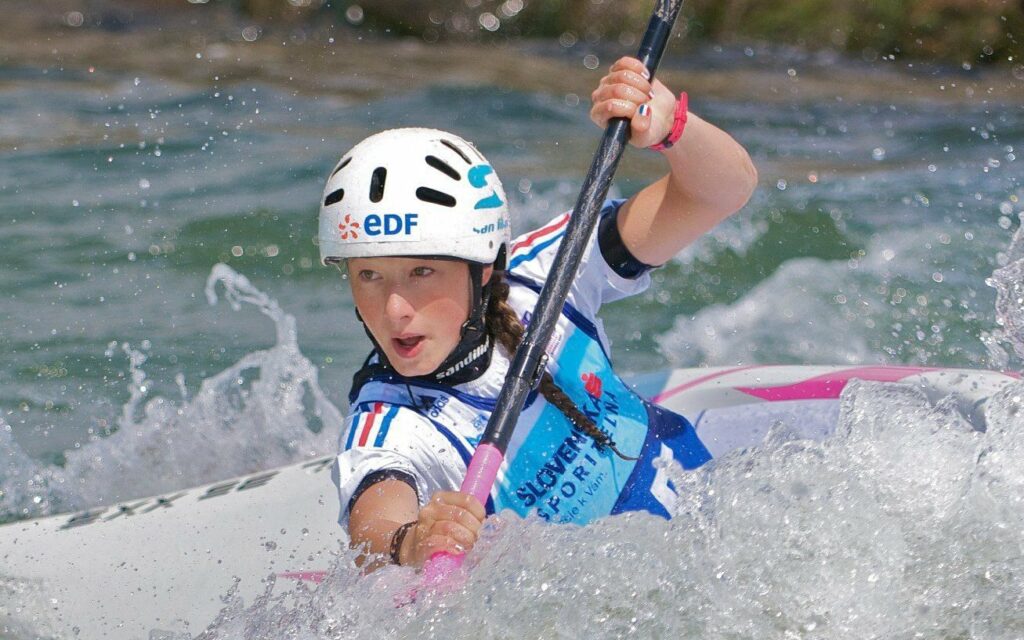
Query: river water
[(888, 199)]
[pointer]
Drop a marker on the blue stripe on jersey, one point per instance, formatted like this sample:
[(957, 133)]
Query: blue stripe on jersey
[(454, 439), (356, 419), (610, 206), (382, 432), (523, 257)]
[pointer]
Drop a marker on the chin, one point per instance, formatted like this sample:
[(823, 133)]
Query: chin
[(412, 369)]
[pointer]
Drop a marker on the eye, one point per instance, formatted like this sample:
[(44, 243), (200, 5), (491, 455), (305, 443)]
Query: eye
[(366, 275), (422, 271)]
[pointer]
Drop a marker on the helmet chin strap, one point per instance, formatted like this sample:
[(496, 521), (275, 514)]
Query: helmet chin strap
[(472, 355)]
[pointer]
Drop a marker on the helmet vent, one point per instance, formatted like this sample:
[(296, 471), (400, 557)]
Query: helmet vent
[(380, 176), (456, 150), (344, 163), (426, 194), (334, 197), (443, 167)]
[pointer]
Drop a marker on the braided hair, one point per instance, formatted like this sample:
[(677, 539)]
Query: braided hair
[(504, 327)]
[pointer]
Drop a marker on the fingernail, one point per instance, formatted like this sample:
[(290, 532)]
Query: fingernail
[(644, 110), (646, 74), (650, 94)]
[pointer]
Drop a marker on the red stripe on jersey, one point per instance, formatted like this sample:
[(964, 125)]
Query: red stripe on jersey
[(370, 419), (554, 226)]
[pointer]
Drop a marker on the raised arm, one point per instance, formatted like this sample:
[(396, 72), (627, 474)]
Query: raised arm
[(710, 175)]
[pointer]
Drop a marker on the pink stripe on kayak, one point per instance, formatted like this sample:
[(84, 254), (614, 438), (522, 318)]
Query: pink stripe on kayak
[(664, 395), (830, 385)]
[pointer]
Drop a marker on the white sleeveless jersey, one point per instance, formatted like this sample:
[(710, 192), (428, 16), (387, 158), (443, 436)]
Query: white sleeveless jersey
[(428, 432)]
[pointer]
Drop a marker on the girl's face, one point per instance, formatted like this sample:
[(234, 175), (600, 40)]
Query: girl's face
[(414, 307)]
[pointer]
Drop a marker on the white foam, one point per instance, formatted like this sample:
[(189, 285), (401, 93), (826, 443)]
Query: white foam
[(905, 521), (788, 317)]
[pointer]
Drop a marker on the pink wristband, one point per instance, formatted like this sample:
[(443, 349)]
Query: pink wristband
[(678, 124)]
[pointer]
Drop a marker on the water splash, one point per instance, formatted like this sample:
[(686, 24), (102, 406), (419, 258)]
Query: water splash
[(1008, 281), (266, 410), (904, 523)]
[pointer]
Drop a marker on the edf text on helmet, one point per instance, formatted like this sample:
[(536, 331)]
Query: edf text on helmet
[(390, 224)]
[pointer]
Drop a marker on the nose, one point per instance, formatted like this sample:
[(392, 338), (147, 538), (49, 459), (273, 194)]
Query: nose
[(398, 308)]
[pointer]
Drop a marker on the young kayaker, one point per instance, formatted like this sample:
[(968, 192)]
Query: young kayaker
[(421, 223)]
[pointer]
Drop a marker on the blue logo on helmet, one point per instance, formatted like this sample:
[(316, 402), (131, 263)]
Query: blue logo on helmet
[(478, 178)]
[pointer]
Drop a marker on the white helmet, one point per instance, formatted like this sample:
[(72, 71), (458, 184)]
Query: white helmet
[(413, 192)]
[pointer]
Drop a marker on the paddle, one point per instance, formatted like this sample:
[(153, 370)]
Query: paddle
[(528, 365)]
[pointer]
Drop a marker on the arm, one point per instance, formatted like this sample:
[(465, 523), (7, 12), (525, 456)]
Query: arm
[(450, 522), (710, 175)]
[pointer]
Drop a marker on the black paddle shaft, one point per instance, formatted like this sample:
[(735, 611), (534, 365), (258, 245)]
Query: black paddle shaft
[(528, 365)]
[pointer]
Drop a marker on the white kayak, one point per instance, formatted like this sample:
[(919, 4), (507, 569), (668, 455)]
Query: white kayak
[(158, 566)]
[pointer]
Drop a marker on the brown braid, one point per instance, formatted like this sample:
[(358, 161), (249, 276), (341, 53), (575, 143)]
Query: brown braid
[(504, 327)]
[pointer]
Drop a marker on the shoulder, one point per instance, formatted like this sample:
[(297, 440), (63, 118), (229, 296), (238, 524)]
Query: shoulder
[(597, 282), (532, 244), (535, 249)]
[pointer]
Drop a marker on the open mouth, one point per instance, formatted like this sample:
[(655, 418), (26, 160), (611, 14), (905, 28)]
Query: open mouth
[(407, 347)]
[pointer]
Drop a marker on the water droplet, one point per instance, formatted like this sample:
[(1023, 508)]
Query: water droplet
[(489, 21), (511, 8)]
